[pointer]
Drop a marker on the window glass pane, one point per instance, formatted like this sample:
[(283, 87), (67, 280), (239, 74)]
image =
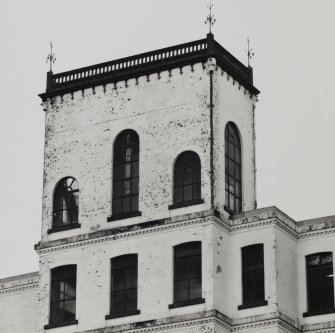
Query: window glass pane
[(237, 155), (194, 266), (131, 277), (131, 300), (56, 312), (134, 203), (178, 194), (57, 219), (231, 150), (135, 155), (70, 289), (126, 202), (232, 203), (66, 217), (117, 207), (135, 169), (117, 304), (69, 310), (128, 154), (196, 175), (195, 288), (117, 189), (238, 173), (227, 199), (188, 176), (188, 193), (118, 280), (134, 186), (127, 170), (56, 291), (181, 268), (126, 187), (181, 290), (117, 174), (238, 206), (117, 155), (231, 168), (196, 191), (58, 201), (178, 177), (231, 185)]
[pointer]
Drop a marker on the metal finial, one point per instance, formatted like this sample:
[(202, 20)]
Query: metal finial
[(250, 52), (210, 18), (51, 57)]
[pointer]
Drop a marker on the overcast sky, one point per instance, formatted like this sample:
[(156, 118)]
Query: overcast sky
[(293, 41)]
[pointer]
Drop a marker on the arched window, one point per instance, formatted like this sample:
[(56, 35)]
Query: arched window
[(233, 179), (125, 175), (187, 180), (65, 203), (124, 286), (320, 283), (187, 274), (63, 296)]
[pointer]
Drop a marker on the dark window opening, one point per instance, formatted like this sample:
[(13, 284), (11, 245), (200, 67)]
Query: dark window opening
[(187, 178), (233, 177), (126, 173), (253, 275), (320, 282), (63, 295), (124, 285), (65, 203), (187, 272)]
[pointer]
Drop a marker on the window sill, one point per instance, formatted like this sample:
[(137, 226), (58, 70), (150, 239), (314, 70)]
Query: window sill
[(318, 313), (252, 305), (120, 315), (187, 303), (62, 324), (186, 204), (123, 216), (64, 228)]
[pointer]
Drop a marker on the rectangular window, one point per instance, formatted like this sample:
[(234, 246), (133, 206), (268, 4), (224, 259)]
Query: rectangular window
[(187, 274), (320, 283), (63, 296), (253, 276), (123, 286)]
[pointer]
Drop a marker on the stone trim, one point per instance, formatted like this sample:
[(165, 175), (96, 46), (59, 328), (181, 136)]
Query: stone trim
[(212, 317), (19, 289), (272, 218)]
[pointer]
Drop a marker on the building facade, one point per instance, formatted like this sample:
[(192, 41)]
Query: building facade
[(149, 208)]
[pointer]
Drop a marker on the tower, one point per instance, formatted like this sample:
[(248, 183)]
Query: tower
[(134, 174)]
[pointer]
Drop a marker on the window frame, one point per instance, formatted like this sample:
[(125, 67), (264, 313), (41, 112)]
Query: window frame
[(180, 168), (72, 275), (320, 268), (121, 144), (249, 265), (188, 246), (233, 180), (60, 197), (126, 266)]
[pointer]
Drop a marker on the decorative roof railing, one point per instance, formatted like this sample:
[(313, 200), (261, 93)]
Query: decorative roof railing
[(148, 63)]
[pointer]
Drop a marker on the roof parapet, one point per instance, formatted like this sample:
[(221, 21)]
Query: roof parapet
[(148, 63)]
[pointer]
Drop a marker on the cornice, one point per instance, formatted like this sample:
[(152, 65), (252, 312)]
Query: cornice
[(19, 289), (210, 216), (125, 235), (212, 319), (148, 63)]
